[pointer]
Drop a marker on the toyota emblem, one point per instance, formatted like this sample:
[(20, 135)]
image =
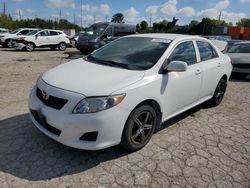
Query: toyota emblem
[(45, 96)]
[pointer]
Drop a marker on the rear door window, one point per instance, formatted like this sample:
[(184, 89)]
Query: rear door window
[(53, 33)]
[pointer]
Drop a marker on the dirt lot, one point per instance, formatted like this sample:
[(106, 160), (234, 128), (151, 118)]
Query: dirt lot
[(205, 147)]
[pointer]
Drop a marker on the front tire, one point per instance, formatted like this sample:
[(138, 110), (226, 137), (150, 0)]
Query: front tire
[(62, 46), (29, 46), (139, 128), (9, 43), (219, 92)]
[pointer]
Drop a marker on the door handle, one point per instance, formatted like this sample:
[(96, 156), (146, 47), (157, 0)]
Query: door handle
[(198, 71), (219, 65)]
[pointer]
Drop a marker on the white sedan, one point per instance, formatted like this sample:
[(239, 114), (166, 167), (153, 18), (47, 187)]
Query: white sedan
[(121, 93)]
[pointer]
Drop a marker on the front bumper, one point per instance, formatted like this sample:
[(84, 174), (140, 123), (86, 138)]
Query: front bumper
[(86, 47), (108, 123)]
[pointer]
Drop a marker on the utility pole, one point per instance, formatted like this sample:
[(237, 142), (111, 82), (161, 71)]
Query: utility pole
[(81, 14), (4, 8), (60, 15), (220, 15), (106, 18), (20, 15), (150, 20), (94, 18), (74, 19)]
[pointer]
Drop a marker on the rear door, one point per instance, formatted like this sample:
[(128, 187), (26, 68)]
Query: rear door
[(54, 37), (211, 68)]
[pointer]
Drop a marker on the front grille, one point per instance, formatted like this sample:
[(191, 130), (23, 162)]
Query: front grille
[(42, 121), (52, 101), (242, 65)]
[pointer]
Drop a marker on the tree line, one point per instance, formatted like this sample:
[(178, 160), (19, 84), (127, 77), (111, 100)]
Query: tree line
[(203, 27), (6, 21)]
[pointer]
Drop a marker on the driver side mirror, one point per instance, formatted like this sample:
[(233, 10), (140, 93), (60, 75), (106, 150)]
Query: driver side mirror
[(174, 66)]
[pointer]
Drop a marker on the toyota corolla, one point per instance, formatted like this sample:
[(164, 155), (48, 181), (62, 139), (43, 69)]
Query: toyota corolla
[(121, 93)]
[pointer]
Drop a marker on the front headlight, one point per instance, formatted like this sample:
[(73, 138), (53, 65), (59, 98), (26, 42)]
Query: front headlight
[(96, 104)]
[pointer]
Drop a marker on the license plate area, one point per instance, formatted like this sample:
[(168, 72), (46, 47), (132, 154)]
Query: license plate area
[(40, 118)]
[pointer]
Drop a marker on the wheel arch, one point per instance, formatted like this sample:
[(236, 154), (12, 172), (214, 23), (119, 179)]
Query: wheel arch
[(224, 77), (153, 103)]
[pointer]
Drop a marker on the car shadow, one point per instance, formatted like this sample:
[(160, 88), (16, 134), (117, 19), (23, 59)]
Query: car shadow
[(74, 54), (184, 115), (28, 154)]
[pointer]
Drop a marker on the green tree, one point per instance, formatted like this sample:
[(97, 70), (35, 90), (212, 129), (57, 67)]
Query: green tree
[(144, 26), (244, 22), (118, 18), (193, 23)]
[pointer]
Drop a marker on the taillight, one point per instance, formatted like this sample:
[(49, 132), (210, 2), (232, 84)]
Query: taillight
[(67, 36)]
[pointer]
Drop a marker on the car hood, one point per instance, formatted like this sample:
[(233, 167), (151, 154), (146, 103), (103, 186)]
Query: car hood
[(90, 79)]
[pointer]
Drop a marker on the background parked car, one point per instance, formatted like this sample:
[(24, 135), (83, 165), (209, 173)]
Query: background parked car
[(219, 37), (240, 56), (100, 34), (3, 30), (43, 38), (6, 39), (231, 43), (75, 38)]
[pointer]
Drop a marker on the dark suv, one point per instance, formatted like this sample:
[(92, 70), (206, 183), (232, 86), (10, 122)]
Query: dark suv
[(99, 34)]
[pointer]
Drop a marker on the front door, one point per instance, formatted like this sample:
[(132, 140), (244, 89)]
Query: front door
[(182, 88)]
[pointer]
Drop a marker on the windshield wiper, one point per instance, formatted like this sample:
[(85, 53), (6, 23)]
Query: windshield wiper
[(108, 62), (113, 63)]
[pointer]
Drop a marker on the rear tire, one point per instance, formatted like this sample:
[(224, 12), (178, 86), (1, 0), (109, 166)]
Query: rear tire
[(139, 128), (62, 46), (219, 92), (29, 46)]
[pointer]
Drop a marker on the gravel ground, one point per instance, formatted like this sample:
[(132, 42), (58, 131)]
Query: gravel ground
[(204, 147)]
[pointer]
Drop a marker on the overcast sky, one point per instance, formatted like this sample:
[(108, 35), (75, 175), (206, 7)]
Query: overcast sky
[(133, 10)]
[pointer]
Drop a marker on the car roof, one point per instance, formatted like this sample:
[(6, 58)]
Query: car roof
[(169, 36)]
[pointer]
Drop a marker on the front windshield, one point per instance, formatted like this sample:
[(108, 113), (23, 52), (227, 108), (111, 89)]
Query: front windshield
[(33, 32), (15, 31), (96, 30), (137, 53), (240, 48)]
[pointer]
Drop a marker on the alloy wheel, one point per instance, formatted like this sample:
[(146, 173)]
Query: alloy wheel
[(29, 47), (220, 91), (142, 127)]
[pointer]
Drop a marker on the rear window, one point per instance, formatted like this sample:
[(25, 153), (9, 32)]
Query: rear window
[(206, 50)]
